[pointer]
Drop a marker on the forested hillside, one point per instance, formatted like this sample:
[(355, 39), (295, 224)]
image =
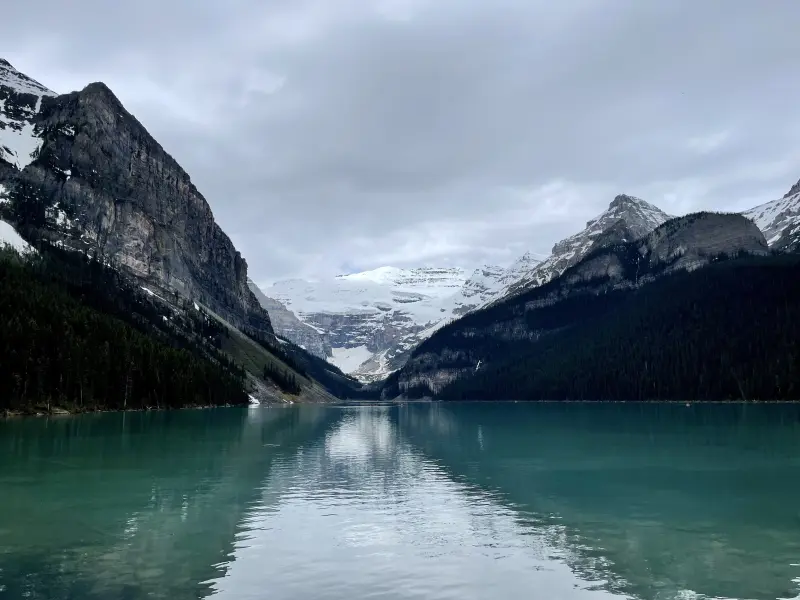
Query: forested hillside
[(74, 334), (729, 331)]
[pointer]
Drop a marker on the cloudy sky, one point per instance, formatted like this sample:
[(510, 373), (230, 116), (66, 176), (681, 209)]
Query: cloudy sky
[(339, 135)]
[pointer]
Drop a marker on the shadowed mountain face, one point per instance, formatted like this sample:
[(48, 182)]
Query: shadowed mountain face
[(84, 173)]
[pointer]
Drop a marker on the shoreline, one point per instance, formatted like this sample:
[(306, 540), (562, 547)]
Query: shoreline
[(62, 412)]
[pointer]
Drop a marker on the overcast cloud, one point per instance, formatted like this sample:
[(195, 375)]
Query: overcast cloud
[(341, 135)]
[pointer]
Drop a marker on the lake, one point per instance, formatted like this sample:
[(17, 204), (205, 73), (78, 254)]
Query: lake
[(417, 501)]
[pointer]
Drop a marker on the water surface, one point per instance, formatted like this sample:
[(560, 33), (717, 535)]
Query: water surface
[(433, 501)]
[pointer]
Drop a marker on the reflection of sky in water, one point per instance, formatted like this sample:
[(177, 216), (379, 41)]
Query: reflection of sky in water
[(364, 515), (422, 501)]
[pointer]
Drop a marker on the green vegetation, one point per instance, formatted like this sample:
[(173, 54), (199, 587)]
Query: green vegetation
[(75, 334), (729, 331)]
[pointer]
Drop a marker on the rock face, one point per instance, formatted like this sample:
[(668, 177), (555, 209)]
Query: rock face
[(684, 243), (627, 218), (289, 327), (780, 220), (98, 182)]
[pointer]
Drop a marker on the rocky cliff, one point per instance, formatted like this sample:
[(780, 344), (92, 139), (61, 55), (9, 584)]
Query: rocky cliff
[(98, 182)]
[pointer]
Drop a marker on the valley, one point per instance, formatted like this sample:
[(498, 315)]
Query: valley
[(79, 174)]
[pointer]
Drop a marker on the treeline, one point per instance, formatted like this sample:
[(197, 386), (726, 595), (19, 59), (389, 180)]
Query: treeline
[(729, 331), (283, 378), (309, 365), (75, 334)]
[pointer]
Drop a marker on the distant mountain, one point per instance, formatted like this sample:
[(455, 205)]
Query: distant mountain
[(780, 220), (289, 327), (485, 338), (372, 320), (80, 171)]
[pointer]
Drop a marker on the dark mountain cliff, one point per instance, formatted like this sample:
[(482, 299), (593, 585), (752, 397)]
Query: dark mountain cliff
[(100, 183)]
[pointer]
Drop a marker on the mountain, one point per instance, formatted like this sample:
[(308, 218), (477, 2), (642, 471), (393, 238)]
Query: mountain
[(627, 218), (780, 220), (584, 294), (85, 183), (82, 172), (370, 320), (288, 326)]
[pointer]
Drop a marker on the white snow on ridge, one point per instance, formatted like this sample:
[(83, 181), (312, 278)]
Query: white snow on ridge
[(349, 359), (10, 237), (774, 217), (21, 83), (418, 293)]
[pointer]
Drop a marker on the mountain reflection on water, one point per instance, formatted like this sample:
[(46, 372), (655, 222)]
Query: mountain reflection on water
[(413, 501)]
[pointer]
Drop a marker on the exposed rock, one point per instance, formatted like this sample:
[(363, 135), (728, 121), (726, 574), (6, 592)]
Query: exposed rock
[(627, 218), (99, 183), (289, 327)]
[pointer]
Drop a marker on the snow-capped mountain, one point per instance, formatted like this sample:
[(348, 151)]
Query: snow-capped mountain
[(779, 220), (627, 218), (371, 320), (20, 101)]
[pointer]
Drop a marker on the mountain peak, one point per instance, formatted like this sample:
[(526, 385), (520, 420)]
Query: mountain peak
[(794, 191), (625, 200), (19, 82)]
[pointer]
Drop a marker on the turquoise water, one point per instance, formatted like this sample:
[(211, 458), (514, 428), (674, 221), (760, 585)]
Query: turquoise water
[(420, 501)]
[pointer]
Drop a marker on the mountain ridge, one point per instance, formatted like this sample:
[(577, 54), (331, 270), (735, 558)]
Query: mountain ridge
[(680, 244)]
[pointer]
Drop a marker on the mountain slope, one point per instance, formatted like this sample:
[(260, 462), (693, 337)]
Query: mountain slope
[(725, 332), (288, 326), (583, 292), (780, 220), (101, 184)]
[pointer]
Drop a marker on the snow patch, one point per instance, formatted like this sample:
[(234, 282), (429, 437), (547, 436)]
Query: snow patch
[(773, 218), (152, 293), (10, 237), (19, 143), (349, 359)]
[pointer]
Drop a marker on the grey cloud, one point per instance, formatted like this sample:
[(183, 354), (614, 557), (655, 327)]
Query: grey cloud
[(336, 135)]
